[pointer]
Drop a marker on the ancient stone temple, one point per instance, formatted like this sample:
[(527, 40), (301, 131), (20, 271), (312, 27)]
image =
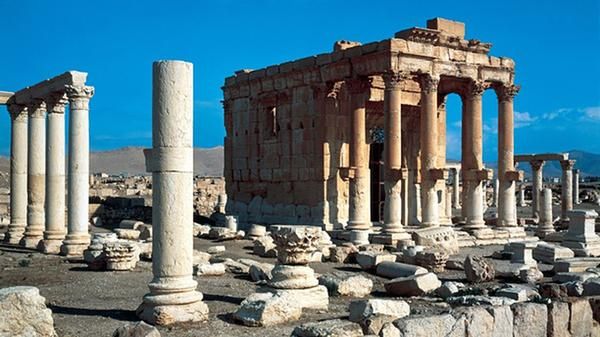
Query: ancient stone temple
[(358, 135)]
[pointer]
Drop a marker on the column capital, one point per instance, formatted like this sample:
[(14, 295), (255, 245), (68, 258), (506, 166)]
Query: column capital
[(56, 102), (506, 92), (79, 96), (537, 164), (429, 83), (475, 89), (17, 112), (567, 164), (393, 79), (37, 108), (333, 89), (358, 85)]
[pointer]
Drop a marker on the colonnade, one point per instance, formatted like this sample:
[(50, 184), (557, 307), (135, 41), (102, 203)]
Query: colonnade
[(472, 169), (37, 198)]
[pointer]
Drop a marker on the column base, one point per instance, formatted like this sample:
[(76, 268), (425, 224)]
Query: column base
[(543, 231), (50, 246), (31, 241), (390, 238), (14, 234), (174, 308), (474, 225), (359, 237), (75, 244), (513, 231)]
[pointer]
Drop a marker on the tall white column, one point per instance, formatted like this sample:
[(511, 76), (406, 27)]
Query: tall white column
[(18, 173), (537, 174), (545, 224), (36, 175), (78, 237), (455, 188), (55, 174), (567, 189), (173, 296), (576, 187), (521, 195), (429, 151)]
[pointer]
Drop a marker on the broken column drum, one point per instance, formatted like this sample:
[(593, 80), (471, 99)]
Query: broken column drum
[(18, 173), (54, 233), (36, 175), (78, 238), (173, 297)]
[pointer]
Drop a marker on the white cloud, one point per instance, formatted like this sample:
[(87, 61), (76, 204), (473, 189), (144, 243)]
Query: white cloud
[(523, 119), (592, 112)]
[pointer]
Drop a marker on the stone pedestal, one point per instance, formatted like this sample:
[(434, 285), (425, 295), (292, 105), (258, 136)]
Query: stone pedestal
[(78, 238), (55, 175), (36, 171), (173, 297), (546, 223), (293, 285), (18, 173), (581, 237)]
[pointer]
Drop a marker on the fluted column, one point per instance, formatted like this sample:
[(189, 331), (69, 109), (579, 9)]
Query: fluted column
[(566, 198), (78, 237), (173, 297), (36, 171), (55, 174), (576, 187), (429, 150), (537, 167), (18, 173), (393, 156), (505, 191), (360, 189), (472, 158)]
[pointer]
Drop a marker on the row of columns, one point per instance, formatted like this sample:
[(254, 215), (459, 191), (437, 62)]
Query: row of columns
[(569, 185), (37, 197), (473, 172)]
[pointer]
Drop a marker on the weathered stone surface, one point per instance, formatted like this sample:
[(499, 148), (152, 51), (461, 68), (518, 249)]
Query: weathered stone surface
[(130, 224), (216, 249), (201, 257), (514, 293), (369, 260), (591, 287), (478, 321), (121, 255), (292, 277), (576, 264), (550, 253), (415, 285), (434, 261), (530, 275), (138, 329), (347, 285), (329, 328), (558, 319), (264, 246), (372, 326), (477, 269), (260, 271), (503, 320), (430, 326), (443, 238), (530, 319), (215, 269), (449, 288), (479, 300), (397, 269), (295, 244), (361, 310), (24, 313), (269, 306), (127, 234), (342, 254), (580, 322), (200, 230)]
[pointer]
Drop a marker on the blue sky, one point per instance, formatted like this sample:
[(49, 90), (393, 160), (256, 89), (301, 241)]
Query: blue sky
[(555, 46)]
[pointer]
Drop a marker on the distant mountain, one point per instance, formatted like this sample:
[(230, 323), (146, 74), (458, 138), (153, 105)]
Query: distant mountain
[(130, 160)]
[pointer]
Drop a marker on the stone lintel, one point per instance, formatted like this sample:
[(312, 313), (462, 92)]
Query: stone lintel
[(56, 84), (4, 96), (541, 156), (450, 27)]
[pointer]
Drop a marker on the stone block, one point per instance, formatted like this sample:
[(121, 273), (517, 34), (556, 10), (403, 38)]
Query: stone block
[(370, 260), (454, 28), (347, 285), (24, 313), (397, 269), (342, 254), (416, 285), (478, 321), (437, 237), (215, 269), (503, 320), (530, 320), (558, 319), (328, 328), (261, 271), (138, 329), (477, 269), (363, 309), (430, 326), (550, 253), (581, 318)]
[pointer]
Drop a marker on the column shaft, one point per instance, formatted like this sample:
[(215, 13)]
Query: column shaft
[(359, 203), (576, 187), (55, 175), (18, 173), (429, 151), (173, 296), (455, 188), (537, 167), (505, 192), (36, 171), (472, 159), (567, 189), (78, 237)]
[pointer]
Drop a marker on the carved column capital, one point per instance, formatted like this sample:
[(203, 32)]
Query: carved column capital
[(393, 79), (536, 164), (17, 112), (333, 89), (79, 97), (56, 102), (567, 164), (475, 89), (429, 83), (37, 108), (506, 92)]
